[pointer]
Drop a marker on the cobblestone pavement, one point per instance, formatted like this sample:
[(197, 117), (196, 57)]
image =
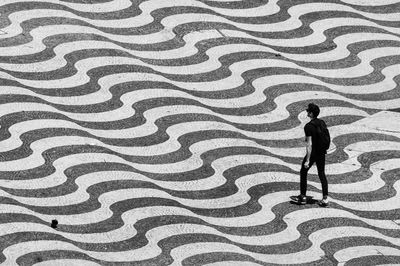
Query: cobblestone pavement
[(160, 132)]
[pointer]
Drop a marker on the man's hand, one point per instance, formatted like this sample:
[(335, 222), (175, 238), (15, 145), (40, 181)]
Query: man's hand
[(307, 164)]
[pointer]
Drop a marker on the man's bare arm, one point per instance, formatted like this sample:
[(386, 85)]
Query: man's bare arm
[(308, 150)]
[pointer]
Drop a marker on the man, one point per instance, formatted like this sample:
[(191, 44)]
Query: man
[(315, 154)]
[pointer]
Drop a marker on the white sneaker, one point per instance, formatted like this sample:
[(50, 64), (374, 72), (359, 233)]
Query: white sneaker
[(323, 203)]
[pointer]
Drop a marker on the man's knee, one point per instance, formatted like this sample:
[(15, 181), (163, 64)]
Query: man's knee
[(322, 175), (303, 170)]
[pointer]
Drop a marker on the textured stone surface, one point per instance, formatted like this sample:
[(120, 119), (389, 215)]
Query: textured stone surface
[(171, 132)]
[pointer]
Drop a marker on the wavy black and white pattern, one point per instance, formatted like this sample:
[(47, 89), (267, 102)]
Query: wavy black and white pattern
[(171, 132)]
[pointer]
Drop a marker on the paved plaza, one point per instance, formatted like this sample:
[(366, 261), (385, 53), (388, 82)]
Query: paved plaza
[(170, 132)]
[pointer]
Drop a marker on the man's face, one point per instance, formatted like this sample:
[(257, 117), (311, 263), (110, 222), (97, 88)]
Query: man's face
[(309, 114)]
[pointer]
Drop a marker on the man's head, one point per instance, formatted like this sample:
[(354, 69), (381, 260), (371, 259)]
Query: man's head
[(312, 110)]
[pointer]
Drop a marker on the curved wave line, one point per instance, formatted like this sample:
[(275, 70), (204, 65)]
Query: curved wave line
[(213, 63), (110, 6)]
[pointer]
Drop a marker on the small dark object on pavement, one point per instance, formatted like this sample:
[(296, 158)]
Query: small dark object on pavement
[(54, 223)]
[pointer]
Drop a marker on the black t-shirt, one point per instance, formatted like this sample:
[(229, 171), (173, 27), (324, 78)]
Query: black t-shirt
[(310, 130)]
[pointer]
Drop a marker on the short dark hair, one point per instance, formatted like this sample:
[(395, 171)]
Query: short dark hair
[(313, 108)]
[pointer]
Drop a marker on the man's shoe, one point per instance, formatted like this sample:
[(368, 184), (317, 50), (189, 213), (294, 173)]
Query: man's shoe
[(301, 200), (323, 203)]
